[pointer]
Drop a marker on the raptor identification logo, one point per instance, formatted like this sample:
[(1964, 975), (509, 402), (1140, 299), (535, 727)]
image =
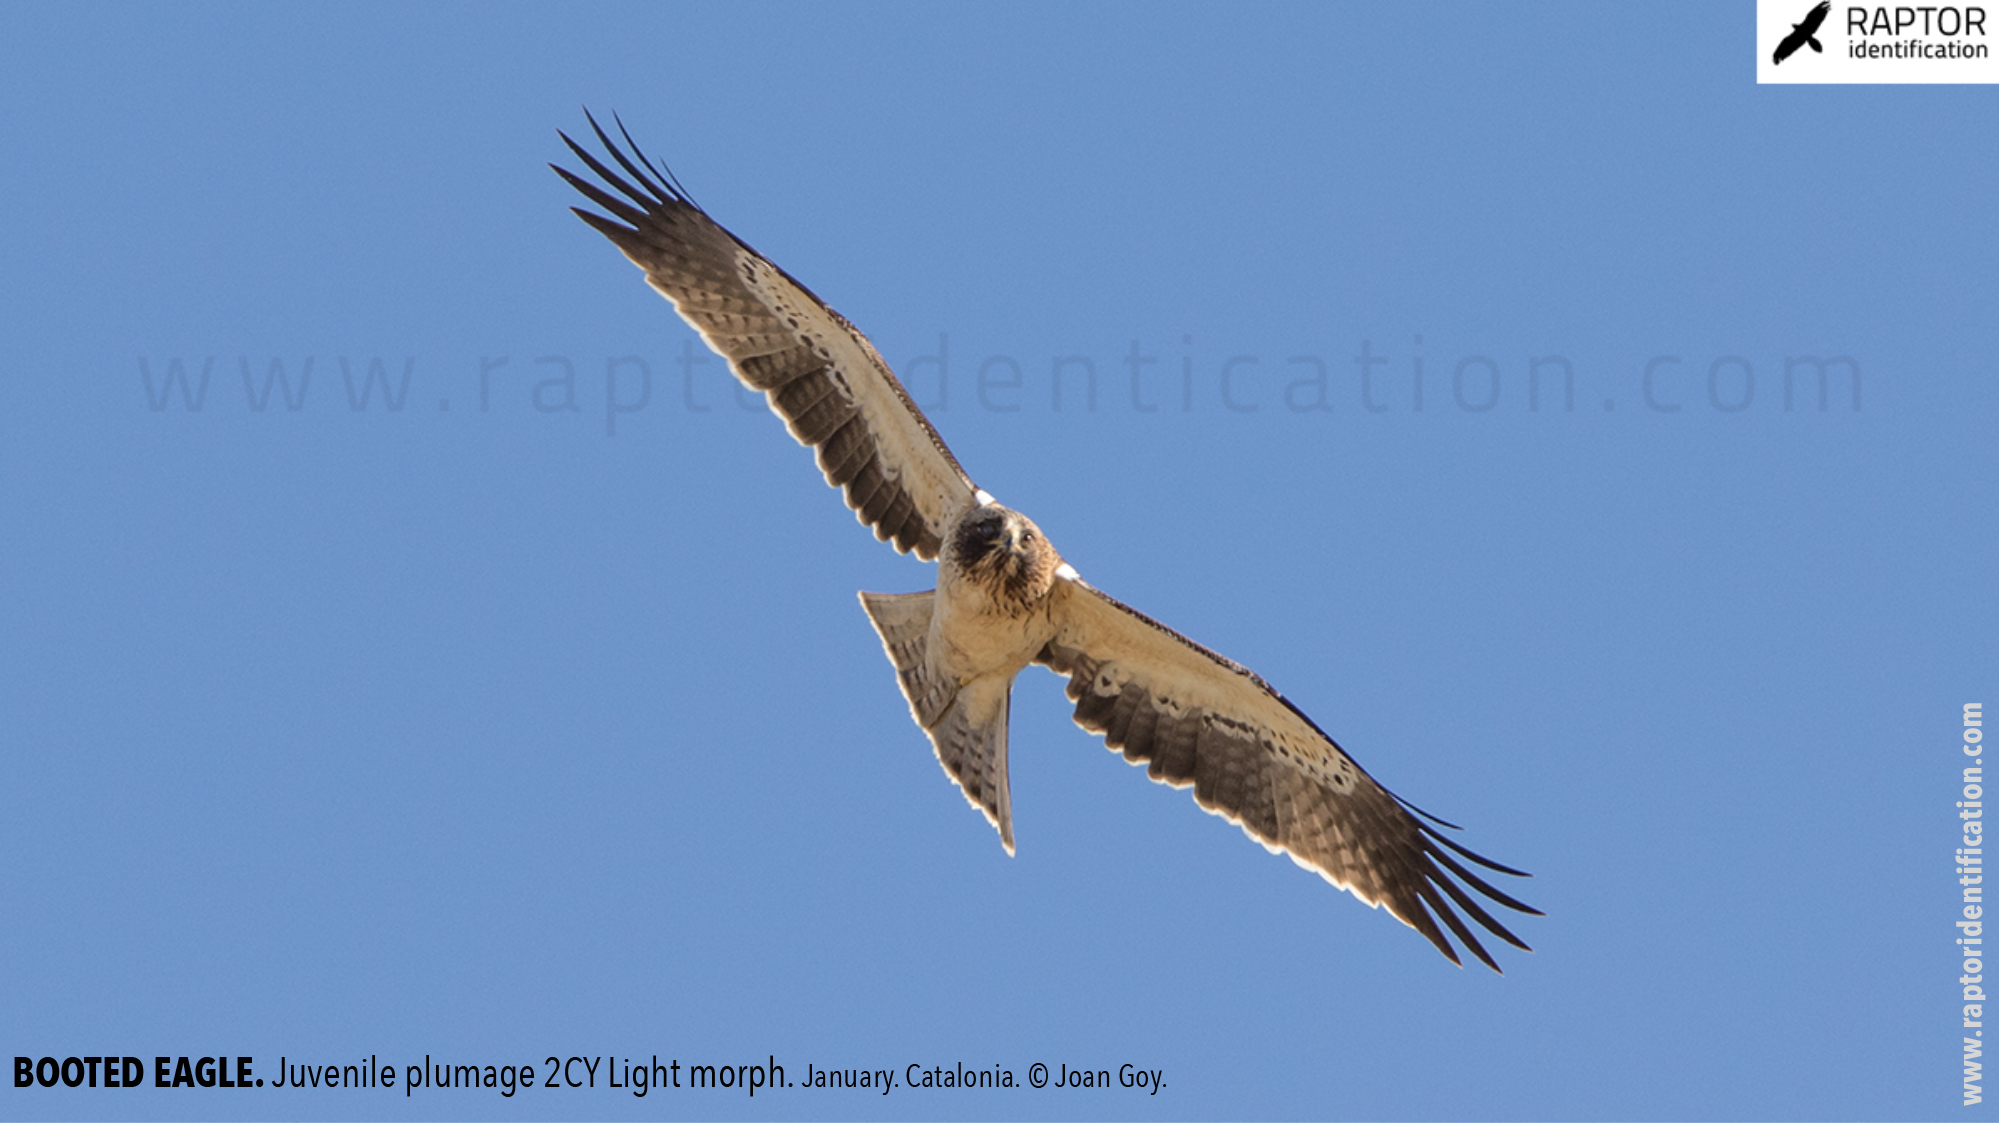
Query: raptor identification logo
[(1800, 41)]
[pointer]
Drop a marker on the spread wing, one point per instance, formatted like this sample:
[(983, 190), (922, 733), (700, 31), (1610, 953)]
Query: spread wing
[(1197, 718), (817, 371)]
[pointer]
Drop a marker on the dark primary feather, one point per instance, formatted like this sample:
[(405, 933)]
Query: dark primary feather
[(896, 473)]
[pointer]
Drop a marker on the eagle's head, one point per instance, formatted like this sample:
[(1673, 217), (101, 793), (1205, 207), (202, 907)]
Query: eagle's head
[(1003, 550)]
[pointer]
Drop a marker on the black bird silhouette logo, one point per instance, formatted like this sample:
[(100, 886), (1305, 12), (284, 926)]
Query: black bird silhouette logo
[(1803, 33)]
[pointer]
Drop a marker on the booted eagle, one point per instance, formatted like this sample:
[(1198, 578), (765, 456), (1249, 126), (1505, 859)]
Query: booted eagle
[(1006, 599)]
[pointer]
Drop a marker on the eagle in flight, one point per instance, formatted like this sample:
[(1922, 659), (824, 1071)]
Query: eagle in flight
[(1006, 599), (1803, 33)]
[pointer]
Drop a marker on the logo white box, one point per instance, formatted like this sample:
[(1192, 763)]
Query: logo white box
[(1830, 42)]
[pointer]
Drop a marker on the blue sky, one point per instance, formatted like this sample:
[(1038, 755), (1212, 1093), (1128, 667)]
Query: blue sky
[(494, 732)]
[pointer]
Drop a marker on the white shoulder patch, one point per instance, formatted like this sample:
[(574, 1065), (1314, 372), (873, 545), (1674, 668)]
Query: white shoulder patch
[(1068, 573), (981, 497)]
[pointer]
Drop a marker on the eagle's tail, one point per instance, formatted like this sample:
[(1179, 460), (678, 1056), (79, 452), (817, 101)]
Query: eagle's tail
[(966, 725), (903, 619)]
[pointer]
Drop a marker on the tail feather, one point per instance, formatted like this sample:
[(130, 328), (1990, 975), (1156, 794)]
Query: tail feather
[(967, 725), (903, 620), (972, 748)]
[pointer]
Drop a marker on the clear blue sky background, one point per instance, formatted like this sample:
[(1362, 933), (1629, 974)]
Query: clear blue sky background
[(488, 734)]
